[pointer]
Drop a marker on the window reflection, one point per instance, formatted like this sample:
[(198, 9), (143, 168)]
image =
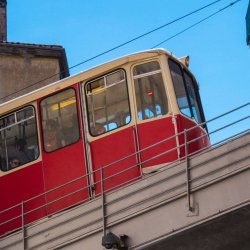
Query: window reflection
[(151, 97), (185, 91), (108, 103), (59, 120), (18, 139)]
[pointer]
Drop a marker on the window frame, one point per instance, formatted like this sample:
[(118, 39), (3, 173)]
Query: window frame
[(106, 86), (196, 92), (17, 123), (41, 119), (147, 74)]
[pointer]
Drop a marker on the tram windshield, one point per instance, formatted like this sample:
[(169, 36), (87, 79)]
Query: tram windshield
[(186, 91)]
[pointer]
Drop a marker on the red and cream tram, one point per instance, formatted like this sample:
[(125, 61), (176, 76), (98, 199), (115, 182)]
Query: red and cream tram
[(125, 117)]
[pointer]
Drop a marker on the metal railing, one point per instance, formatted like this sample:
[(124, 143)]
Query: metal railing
[(23, 215)]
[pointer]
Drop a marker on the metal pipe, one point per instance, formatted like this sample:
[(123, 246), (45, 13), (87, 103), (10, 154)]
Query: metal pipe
[(23, 224), (187, 171), (103, 203)]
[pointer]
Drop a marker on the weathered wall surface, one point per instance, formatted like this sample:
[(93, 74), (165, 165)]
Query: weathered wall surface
[(22, 74), (25, 67)]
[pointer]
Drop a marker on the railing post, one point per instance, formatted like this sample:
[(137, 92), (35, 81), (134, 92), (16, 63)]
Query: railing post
[(190, 209), (103, 203), (23, 224), (137, 148)]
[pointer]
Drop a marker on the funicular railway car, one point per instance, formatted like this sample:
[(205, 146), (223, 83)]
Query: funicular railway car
[(111, 117)]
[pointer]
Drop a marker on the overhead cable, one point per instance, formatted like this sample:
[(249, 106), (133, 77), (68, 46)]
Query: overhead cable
[(202, 20), (121, 45), (145, 34)]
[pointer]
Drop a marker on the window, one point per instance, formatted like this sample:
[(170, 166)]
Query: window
[(185, 91), (192, 97), (150, 92), (59, 120), (108, 103), (18, 139), (179, 87)]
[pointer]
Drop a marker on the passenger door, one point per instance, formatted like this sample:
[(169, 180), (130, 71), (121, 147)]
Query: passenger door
[(155, 128), (111, 138), (65, 174)]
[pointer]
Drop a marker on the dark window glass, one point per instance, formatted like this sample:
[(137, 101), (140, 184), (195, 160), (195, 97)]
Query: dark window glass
[(186, 91), (59, 120), (146, 68), (192, 97), (179, 87), (108, 103), (150, 92), (18, 139)]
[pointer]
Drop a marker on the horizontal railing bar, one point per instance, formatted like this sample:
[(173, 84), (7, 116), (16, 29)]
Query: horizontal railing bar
[(133, 166), (230, 124), (229, 112), (140, 151), (182, 145), (58, 199)]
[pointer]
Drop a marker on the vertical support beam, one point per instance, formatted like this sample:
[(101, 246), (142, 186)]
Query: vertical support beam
[(137, 148), (23, 224), (190, 209), (103, 202)]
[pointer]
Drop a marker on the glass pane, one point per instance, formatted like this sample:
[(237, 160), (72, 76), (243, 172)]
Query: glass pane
[(115, 78), (145, 68), (25, 113), (108, 108), (59, 120), (19, 143), (8, 121), (192, 97), (179, 87), (95, 86), (150, 92)]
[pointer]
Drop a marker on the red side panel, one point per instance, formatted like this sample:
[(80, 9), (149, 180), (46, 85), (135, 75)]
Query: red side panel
[(61, 169), (65, 174), (19, 186), (196, 136), (112, 148), (153, 132)]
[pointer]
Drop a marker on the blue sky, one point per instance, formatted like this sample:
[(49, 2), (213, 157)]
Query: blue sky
[(219, 56)]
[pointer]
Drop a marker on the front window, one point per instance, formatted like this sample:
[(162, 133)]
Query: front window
[(192, 97), (150, 92), (186, 92), (108, 103), (179, 87), (18, 139), (59, 120)]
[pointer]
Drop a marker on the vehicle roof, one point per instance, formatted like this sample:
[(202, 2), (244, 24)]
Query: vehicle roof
[(66, 82)]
